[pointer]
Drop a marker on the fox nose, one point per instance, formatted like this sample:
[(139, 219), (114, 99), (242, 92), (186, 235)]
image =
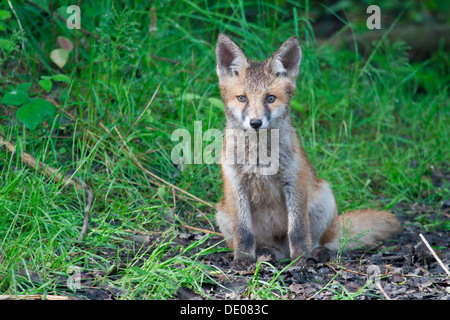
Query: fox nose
[(255, 123)]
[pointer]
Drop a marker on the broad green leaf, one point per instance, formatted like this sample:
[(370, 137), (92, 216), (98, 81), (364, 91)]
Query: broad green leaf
[(42, 4), (46, 84), (63, 12), (15, 98), (4, 14), (24, 87), (6, 44), (59, 57), (161, 191), (34, 112), (61, 77)]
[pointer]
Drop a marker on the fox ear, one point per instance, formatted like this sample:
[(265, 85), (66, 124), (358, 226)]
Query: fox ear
[(231, 60), (286, 60)]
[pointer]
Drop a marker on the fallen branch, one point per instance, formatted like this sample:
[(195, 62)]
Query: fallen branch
[(196, 228), (378, 284), (330, 264), (434, 254), (204, 216), (50, 172)]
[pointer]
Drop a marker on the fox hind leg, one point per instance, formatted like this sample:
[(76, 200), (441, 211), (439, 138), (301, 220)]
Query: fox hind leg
[(322, 213), (226, 227)]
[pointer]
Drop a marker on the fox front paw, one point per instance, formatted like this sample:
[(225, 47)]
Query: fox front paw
[(321, 255), (241, 263), (299, 263), (299, 259)]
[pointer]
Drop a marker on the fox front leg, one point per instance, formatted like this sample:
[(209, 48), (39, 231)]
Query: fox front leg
[(299, 233), (243, 240)]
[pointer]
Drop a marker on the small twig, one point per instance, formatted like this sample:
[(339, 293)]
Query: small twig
[(378, 284), (58, 176), (145, 109), (434, 254), (21, 33), (421, 268), (87, 208), (174, 199), (344, 268), (204, 216), (195, 228)]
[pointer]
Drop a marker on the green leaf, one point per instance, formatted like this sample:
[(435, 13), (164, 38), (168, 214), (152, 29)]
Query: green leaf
[(42, 4), (6, 44), (59, 57), (46, 84), (4, 14), (34, 112), (63, 12), (161, 191), (15, 98), (61, 77), (24, 87)]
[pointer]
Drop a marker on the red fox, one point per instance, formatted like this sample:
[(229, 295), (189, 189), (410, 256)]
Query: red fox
[(291, 213)]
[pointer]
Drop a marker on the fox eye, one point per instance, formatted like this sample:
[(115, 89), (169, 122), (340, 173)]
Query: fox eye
[(271, 98), (241, 98)]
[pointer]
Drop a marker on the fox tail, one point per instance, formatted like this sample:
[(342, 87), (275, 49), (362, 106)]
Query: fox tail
[(365, 228)]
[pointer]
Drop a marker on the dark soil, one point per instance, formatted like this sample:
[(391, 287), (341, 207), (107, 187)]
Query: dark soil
[(403, 268)]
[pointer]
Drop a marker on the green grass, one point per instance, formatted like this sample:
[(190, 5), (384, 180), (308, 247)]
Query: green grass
[(362, 125)]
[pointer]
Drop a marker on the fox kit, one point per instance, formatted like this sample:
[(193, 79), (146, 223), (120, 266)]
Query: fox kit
[(290, 213)]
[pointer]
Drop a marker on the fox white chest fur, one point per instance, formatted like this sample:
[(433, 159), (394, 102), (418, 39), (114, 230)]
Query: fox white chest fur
[(274, 204)]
